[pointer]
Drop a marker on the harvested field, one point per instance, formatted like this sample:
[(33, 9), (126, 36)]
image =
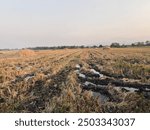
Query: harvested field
[(75, 80), (26, 52)]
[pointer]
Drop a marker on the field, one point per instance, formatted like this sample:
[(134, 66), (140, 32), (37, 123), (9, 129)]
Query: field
[(75, 80)]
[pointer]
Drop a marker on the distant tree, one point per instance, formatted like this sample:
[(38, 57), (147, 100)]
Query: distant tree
[(123, 45), (140, 43), (115, 44), (133, 44), (94, 46), (82, 46), (100, 46), (147, 43)]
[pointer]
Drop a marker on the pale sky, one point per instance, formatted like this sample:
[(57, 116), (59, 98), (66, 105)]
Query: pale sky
[(30, 23)]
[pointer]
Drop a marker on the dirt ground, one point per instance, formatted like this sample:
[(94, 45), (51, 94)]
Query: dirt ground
[(75, 80)]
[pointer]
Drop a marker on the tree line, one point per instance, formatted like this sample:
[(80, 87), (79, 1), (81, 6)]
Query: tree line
[(113, 45), (136, 44), (63, 47)]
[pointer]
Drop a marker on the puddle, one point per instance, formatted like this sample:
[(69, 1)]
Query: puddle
[(77, 71), (102, 87), (77, 66), (147, 89), (82, 75), (93, 72), (130, 89), (28, 78), (102, 98), (96, 73), (89, 83), (147, 94)]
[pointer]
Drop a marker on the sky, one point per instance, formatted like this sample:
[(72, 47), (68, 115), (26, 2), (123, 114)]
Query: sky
[(30, 23)]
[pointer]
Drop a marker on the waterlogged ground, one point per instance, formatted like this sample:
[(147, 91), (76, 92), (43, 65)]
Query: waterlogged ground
[(75, 80)]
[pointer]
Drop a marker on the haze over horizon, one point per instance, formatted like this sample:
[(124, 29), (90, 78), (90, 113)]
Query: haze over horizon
[(32, 23)]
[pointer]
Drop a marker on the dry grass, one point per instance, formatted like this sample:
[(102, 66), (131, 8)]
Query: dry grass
[(26, 52), (45, 81)]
